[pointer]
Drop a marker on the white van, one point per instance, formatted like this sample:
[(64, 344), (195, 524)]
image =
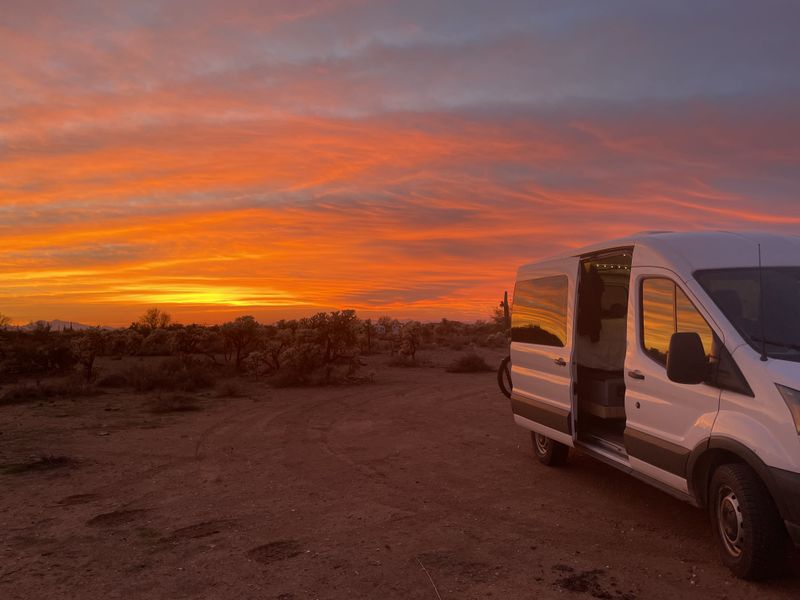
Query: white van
[(674, 357)]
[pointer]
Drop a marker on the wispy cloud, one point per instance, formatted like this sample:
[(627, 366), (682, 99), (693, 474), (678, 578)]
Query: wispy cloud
[(399, 157)]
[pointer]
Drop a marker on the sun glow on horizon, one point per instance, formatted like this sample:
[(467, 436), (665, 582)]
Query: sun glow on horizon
[(398, 158)]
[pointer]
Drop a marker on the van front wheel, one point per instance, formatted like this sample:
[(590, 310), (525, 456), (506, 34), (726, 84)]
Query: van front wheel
[(549, 452), (749, 531)]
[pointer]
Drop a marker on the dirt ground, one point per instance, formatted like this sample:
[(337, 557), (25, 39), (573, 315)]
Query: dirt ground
[(416, 486)]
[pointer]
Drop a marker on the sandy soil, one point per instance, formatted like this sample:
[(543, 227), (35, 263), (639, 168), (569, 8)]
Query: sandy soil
[(415, 486)]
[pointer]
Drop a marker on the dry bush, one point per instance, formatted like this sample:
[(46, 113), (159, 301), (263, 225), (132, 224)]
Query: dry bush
[(404, 360), (173, 403), (499, 339), (86, 347), (69, 387), (183, 374), (34, 353), (159, 342), (112, 380), (241, 337), (229, 388), (470, 362)]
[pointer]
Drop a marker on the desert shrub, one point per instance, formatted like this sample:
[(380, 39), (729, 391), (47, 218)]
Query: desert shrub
[(24, 392), (72, 386), (401, 360), (112, 380), (499, 339), (173, 403), (146, 377), (458, 342), (86, 347), (229, 388), (69, 387), (240, 337), (157, 343), (410, 339), (176, 374), (35, 353), (300, 363), (470, 362)]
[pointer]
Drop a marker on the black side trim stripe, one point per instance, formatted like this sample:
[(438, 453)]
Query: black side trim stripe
[(546, 414), (659, 453)]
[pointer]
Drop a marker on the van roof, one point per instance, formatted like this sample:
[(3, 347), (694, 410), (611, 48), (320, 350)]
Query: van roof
[(691, 251)]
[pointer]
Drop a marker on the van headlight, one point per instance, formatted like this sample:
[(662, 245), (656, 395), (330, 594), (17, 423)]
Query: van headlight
[(792, 399)]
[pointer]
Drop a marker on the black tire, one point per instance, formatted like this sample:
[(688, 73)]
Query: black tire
[(504, 377), (749, 531), (549, 452)]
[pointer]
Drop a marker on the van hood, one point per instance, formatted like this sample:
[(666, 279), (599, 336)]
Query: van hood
[(784, 372)]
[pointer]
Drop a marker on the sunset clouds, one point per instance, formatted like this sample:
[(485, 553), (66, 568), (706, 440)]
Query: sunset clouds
[(277, 158)]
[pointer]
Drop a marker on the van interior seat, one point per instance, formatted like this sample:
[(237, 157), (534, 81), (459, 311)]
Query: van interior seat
[(608, 352), (601, 385)]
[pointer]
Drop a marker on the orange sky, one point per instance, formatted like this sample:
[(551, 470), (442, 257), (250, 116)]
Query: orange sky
[(377, 156)]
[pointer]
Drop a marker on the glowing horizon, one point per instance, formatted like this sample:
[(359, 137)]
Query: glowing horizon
[(394, 158)]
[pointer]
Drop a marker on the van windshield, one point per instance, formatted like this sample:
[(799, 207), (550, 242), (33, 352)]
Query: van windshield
[(737, 294)]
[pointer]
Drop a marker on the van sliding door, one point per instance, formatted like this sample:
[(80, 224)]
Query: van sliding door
[(542, 342)]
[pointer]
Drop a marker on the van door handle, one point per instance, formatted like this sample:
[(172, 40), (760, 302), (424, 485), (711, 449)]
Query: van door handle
[(560, 362), (635, 375)]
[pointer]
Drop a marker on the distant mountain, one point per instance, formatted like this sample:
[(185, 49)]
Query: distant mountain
[(56, 325)]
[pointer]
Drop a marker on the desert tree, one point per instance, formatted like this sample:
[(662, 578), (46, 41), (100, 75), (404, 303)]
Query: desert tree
[(369, 331), (86, 347), (411, 339), (336, 333), (153, 318), (241, 336), (5, 321)]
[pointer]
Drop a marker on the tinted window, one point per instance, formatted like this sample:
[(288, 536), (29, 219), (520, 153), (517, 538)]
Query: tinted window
[(658, 315), (688, 319), (737, 293), (539, 314), (665, 310)]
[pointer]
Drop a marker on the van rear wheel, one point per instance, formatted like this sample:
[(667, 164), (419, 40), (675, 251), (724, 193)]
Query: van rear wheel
[(749, 531), (549, 452), (504, 377)]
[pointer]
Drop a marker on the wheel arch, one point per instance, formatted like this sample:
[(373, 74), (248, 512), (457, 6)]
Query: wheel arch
[(716, 451)]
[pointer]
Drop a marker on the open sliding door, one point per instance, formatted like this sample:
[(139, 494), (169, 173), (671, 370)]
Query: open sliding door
[(542, 348)]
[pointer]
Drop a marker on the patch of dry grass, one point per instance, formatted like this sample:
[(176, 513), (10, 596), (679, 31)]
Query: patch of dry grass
[(174, 403), (471, 362)]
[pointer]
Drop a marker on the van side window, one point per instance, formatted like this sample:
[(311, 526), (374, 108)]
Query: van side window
[(688, 319), (666, 310), (658, 317), (539, 314)]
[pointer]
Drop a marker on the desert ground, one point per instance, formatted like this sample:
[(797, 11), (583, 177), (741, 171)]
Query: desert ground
[(417, 485)]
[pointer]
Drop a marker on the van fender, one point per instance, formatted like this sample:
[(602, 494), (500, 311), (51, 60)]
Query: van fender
[(711, 452)]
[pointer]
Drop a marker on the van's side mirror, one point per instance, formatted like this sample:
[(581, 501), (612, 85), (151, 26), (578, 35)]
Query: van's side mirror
[(686, 361)]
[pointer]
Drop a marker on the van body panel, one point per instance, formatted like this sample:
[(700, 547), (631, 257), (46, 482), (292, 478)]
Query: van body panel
[(538, 427), (763, 423), (679, 416), (672, 480), (543, 375)]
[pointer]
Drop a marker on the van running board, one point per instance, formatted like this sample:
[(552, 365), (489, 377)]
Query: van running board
[(603, 447)]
